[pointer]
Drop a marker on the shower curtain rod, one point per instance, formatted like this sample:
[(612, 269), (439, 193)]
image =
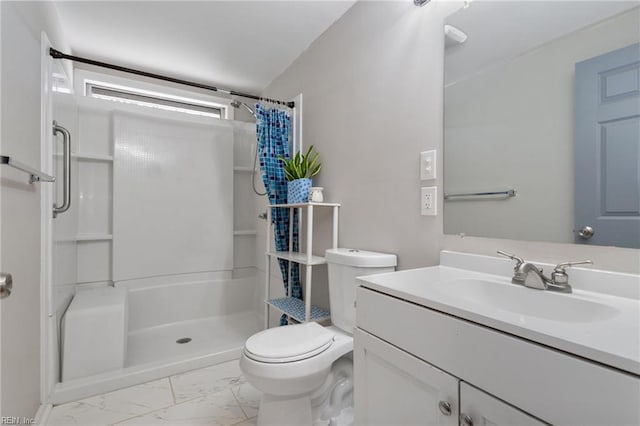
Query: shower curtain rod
[(59, 55)]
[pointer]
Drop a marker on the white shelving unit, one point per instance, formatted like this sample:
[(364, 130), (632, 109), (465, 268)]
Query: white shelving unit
[(296, 309)]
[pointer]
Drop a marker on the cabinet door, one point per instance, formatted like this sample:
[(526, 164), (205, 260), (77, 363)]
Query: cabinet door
[(478, 408), (395, 388)]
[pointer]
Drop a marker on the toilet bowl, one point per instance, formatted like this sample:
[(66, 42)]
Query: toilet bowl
[(305, 371), (298, 359), (291, 365)]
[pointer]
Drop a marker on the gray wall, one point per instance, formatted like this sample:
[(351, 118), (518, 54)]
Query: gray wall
[(372, 86), (372, 101), (21, 24)]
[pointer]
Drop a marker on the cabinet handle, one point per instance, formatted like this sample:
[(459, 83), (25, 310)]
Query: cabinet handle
[(445, 408), (465, 420)]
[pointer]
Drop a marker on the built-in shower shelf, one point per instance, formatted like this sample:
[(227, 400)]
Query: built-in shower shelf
[(242, 232), (239, 169), (93, 157), (94, 237), (298, 257), (295, 308), (88, 157)]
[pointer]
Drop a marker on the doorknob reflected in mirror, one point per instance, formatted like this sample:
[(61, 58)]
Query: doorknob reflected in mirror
[(586, 232), (6, 285)]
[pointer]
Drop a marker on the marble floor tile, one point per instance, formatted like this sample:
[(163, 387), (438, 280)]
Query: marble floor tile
[(249, 422), (216, 409), (248, 397), (114, 406), (197, 383)]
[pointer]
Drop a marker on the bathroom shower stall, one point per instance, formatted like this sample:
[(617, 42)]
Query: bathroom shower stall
[(153, 266)]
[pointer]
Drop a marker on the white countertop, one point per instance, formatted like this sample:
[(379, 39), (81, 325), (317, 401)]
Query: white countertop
[(613, 339)]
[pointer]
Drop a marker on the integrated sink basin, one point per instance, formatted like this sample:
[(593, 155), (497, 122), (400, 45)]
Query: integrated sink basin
[(527, 302), (599, 321)]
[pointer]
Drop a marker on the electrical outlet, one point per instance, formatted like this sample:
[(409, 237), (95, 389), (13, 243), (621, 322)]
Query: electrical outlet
[(428, 165), (428, 201)]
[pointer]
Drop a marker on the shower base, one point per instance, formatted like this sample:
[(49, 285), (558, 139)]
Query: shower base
[(153, 354), (208, 335), (213, 318)]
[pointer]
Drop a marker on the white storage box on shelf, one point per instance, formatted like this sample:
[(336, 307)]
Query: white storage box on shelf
[(94, 332)]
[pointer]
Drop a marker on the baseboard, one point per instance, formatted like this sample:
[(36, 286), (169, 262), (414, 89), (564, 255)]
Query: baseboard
[(43, 413)]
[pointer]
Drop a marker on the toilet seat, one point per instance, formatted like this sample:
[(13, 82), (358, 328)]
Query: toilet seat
[(288, 344)]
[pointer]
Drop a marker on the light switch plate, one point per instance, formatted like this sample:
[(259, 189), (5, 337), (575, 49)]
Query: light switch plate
[(428, 165), (429, 201)]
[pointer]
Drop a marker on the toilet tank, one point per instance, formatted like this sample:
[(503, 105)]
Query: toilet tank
[(344, 266)]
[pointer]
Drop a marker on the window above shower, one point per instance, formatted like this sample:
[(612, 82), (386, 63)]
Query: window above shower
[(163, 101), (149, 95)]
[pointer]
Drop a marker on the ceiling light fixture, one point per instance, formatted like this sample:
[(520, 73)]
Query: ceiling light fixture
[(420, 2)]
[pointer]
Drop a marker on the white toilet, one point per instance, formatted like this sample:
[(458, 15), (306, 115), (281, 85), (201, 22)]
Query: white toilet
[(305, 371)]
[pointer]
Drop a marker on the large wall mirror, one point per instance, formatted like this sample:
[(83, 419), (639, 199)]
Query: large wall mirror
[(542, 121)]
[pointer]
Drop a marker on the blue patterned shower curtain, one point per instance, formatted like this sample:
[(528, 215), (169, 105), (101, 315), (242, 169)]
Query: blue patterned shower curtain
[(273, 127)]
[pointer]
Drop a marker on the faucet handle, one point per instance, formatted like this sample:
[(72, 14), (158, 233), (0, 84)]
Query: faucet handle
[(559, 275), (518, 259), (560, 267)]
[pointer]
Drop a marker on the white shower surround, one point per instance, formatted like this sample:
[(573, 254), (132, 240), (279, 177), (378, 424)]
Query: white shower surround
[(172, 195), (218, 308)]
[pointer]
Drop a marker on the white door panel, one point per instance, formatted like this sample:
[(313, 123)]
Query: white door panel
[(396, 388)]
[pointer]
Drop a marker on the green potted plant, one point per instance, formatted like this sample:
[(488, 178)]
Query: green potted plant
[(299, 170)]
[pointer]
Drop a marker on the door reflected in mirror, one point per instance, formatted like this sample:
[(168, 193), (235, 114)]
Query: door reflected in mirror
[(542, 101)]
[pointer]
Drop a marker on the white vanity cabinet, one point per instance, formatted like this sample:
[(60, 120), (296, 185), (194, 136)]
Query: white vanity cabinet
[(396, 388), (408, 358)]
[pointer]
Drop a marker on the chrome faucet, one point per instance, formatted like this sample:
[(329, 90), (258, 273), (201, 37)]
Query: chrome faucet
[(529, 275)]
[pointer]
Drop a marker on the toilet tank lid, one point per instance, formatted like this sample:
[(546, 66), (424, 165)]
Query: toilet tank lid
[(360, 258)]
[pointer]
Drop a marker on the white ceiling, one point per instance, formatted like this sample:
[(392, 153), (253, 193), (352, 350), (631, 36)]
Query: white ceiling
[(502, 30), (238, 45)]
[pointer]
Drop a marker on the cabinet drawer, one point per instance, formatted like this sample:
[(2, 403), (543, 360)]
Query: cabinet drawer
[(554, 386)]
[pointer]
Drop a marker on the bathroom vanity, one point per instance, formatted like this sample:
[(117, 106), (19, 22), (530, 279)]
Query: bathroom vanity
[(459, 344)]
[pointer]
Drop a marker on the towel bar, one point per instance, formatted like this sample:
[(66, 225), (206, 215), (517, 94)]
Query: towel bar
[(35, 175), (506, 194)]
